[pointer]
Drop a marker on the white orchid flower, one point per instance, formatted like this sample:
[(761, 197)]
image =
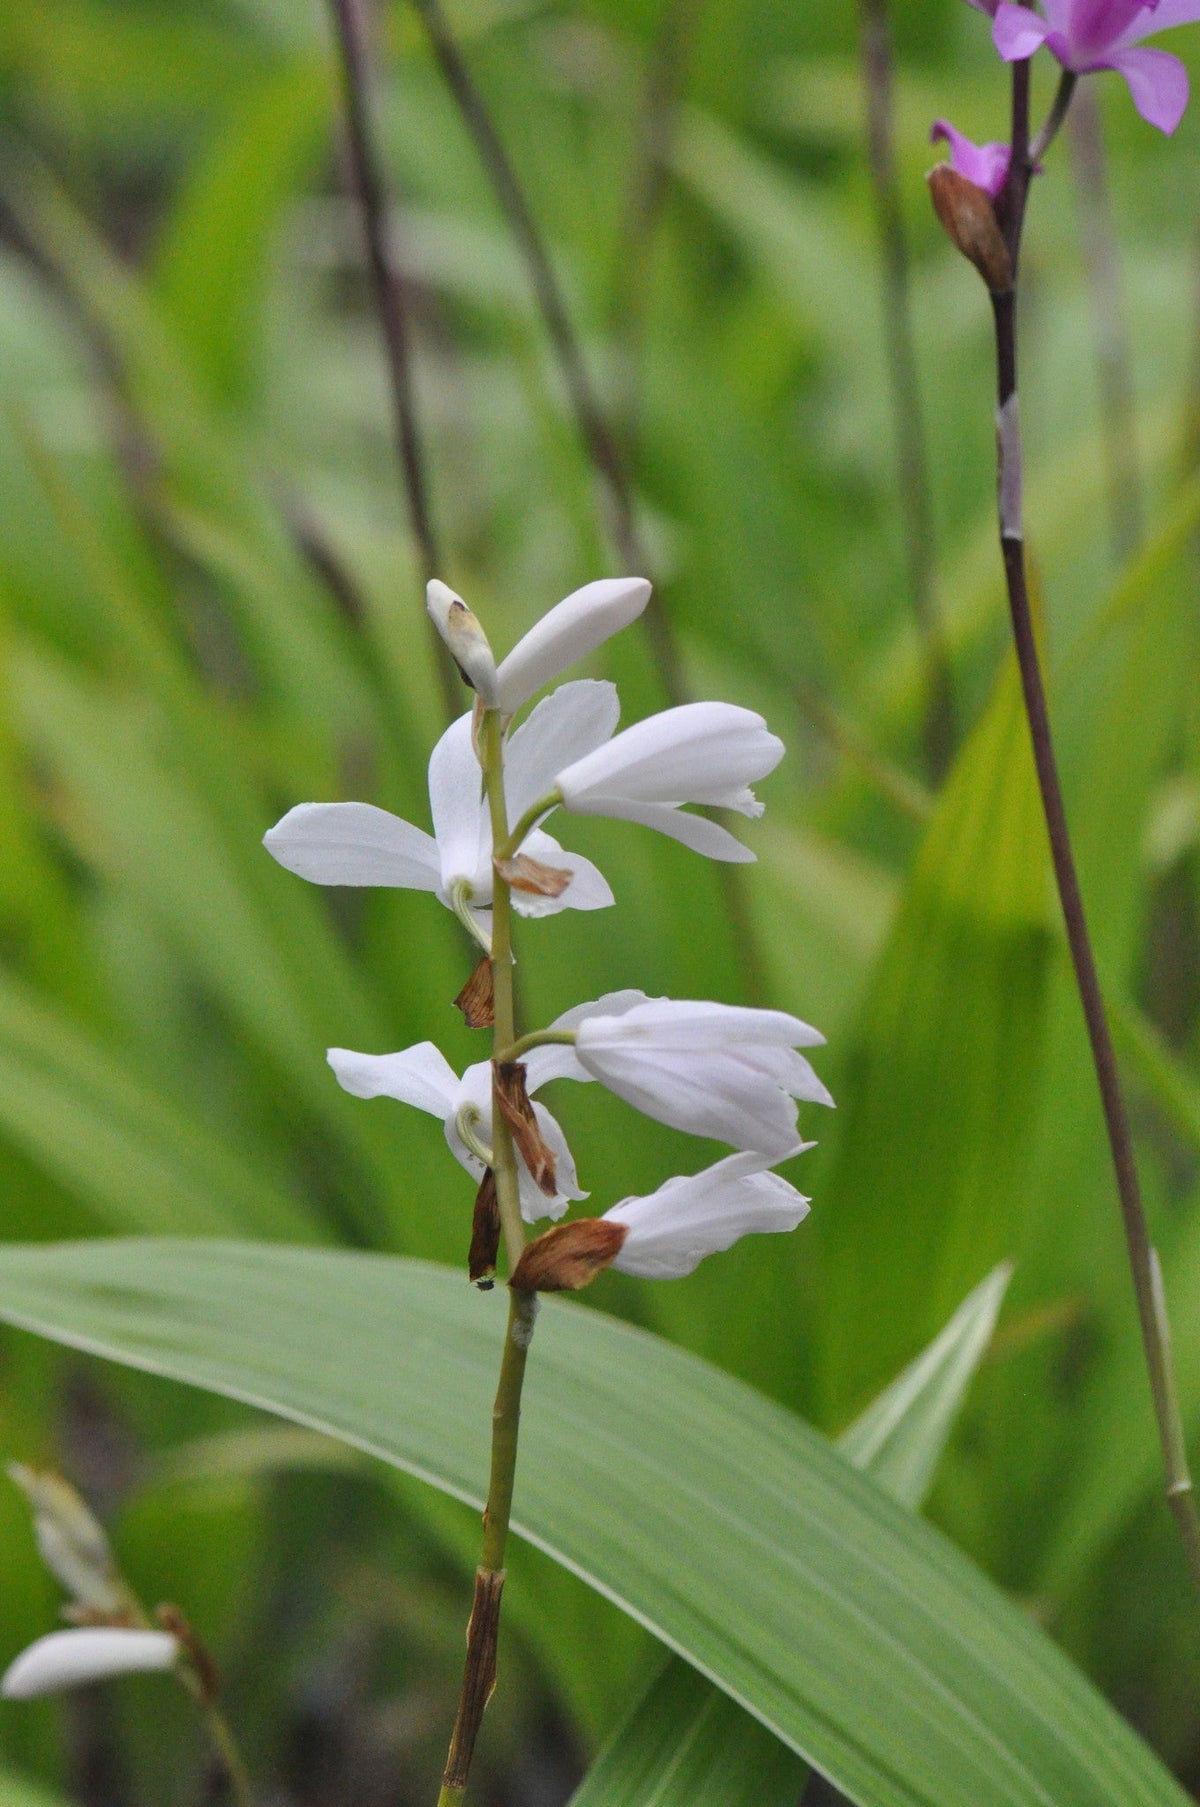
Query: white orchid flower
[(669, 1232), (699, 753), (423, 1077), (67, 1659), (359, 844), (717, 1070)]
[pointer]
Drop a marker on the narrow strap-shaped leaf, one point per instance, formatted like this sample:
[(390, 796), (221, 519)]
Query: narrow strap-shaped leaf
[(685, 1744), (736, 1534)]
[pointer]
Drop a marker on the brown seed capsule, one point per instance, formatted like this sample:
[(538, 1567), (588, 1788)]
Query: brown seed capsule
[(517, 1112), (969, 218), (485, 1233), (476, 1000), (524, 874), (568, 1256)]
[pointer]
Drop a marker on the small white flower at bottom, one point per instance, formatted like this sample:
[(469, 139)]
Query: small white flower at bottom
[(670, 1231), (67, 1659)]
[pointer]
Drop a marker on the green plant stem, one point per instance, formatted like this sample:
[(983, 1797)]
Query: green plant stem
[(1147, 1283), (528, 821), (537, 1038), (480, 1668), (220, 1733)]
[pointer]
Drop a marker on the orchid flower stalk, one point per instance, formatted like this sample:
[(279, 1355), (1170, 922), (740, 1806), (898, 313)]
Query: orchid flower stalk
[(1084, 36), (712, 1070)]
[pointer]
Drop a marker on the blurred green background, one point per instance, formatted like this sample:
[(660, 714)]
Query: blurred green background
[(210, 609)]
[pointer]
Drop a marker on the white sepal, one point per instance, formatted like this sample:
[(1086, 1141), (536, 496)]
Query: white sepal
[(714, 1070), (707, 753), (67, 1659), (575, 627), (670, 1231)]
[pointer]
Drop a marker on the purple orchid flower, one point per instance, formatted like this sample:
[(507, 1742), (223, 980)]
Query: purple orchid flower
[(1086, 35), (984, 164)]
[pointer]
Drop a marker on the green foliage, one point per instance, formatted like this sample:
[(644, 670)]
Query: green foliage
[(209, 611)]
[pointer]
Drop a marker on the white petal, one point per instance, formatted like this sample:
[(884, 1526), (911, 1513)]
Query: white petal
[(708, 1094), (583, 621), (354, 844), (420, 1076), (689, 1022), (558, 1060), (671, 1230), (534, 1203), (65, 1659), (696, 832), (698, 753), (460, 819), (588, 889), (571, 722)]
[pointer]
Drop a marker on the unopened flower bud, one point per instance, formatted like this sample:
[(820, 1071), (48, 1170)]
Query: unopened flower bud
[(469, 647), (969, 218), (73, 1546), (569, 1256)]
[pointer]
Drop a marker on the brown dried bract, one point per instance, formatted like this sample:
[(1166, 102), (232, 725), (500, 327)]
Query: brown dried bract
[(485, 1232), (517, 1112), (969, 218), (479, 1676), (569, 1256), (530, 876), (207, 1673), (476, 1000)]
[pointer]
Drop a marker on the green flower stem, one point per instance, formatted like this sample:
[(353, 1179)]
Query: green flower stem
[(512, 841), (504, 1165), (537, 1038), (1054, 118), (460, 903), (220, 1734), (480, 1670)]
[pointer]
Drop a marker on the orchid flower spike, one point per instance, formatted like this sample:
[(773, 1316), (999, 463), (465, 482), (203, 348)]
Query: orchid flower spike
[(984, 164), (698, 753), (423, 1077), (714, 1070), (669, 1232), (1088, 35), (358, 844), (67, 1659)]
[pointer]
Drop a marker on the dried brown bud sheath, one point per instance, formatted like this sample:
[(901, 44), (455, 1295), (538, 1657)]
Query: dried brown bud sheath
[(969, 218), (530, 876), (479, 1677), (517, 1112), (569, 1256), (476, 1000), (207, 1674), (485, 1232)]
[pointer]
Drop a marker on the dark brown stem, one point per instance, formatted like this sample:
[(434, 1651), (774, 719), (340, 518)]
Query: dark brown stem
[(598, 437), (912, 462), (1151, 1311), (392, 303)]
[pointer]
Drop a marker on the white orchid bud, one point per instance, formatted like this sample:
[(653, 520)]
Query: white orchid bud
[(468, 644), (72, 1543), (67, 1659)]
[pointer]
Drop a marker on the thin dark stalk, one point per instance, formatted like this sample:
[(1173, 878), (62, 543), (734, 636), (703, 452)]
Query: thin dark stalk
[(665, 81), (1114, 374), (602, 447), (912, 462), (392, 303), (594, 429), (1147, 1286)]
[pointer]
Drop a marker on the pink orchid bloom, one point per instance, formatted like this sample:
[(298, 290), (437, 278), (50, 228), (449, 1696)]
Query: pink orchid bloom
[(984, 164), (1086, 35)]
